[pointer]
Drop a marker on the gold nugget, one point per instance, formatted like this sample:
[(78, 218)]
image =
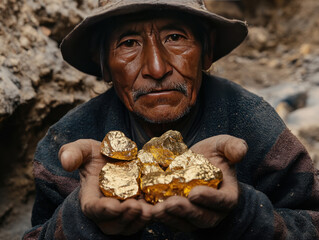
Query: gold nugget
[(148, 163), (120, 179), (159, 186), (166, 147), (187, 159), (126, 179), (116, 145)]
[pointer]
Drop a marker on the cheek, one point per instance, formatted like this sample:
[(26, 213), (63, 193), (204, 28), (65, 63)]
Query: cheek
[(123, 82), (124, 71), (189, 65)]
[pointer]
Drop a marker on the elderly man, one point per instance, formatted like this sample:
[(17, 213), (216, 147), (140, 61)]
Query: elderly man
[(155, 53)]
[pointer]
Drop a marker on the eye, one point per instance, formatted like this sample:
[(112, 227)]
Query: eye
[(174, 37), (129, 43)]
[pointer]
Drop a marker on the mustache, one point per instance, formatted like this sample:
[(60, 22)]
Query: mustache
[(180, 87)]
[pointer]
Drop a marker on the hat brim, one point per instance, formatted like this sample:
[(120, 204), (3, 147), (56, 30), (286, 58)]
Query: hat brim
[(76, 50)]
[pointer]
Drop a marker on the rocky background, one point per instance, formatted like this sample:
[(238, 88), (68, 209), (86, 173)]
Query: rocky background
[(279, 60)]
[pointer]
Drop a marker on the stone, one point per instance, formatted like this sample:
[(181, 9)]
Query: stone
[(159, 186), (9, 93), (127, 179), (120, 179), (148, 163), (166, 147), (187, 159), (116, 145)]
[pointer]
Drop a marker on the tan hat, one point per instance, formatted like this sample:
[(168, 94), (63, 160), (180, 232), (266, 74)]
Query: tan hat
[(76, 46)]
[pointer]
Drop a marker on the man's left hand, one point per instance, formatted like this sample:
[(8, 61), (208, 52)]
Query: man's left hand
[(206, 207)]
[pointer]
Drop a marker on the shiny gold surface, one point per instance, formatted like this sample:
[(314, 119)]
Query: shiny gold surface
[(166, 147), (116, 145), (120, 179), (126, 179), (159, 186), (187, 159), (148, 163)]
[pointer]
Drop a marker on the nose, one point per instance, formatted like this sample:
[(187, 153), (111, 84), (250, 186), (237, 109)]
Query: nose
[(156, 64)]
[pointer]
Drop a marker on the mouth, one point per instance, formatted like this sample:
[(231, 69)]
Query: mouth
[(157, 92), (161, 91)]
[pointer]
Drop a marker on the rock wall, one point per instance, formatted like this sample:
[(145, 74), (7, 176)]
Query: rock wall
[(36, 89)]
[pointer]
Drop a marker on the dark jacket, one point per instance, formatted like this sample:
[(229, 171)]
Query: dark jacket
[(278, 182)]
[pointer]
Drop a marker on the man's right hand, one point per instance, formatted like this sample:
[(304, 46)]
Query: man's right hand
[(112, 216)]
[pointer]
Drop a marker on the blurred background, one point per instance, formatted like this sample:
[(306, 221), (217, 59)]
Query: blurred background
[(279, 61)]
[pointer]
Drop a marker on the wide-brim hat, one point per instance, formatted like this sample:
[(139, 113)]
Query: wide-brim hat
[(77, 48)]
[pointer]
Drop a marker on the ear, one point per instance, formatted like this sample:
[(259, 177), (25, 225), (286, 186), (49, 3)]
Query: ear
[(208, 50)]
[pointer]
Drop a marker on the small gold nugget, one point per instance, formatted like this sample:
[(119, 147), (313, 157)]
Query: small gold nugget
[(148, 163), (116, 145), (166, 147), (159, 186), (188, 158), (120, 179)]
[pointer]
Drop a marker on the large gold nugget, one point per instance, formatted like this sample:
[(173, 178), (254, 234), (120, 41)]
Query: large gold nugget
[(148, 163), (187, 159), (159, 186), (116, 145), (120, 179), (166, 147)]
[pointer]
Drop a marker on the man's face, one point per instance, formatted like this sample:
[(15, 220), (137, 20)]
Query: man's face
[(155, 66)]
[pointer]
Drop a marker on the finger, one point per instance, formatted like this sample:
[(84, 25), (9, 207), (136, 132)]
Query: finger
[(234, 149), (130, 221), (146, 210), (102, 209), (94, 205), (214, 199), (170, 214), (140, 222), (74, 154), (90, 188), (132, 210), (186, 215)]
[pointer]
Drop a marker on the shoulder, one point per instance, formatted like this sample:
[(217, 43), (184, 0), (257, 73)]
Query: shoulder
[(238, 103), (217, 87), (86, 121)]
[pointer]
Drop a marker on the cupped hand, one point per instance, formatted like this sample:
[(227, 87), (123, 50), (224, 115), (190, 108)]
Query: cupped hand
[(206, 207), (112, 216)]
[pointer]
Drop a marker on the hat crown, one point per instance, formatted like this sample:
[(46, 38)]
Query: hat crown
[(193, 3)]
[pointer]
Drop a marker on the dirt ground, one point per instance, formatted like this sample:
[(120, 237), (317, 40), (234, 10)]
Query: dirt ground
[(281, 51)]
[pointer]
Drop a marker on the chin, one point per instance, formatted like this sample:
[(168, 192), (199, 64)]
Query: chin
[(163, 118)]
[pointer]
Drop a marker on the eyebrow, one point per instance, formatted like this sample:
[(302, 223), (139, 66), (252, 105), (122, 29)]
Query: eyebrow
[(128, 33), (173, 27)]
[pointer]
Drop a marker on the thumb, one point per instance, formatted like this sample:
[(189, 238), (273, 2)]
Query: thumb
[(73, 155), (233, 148)]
